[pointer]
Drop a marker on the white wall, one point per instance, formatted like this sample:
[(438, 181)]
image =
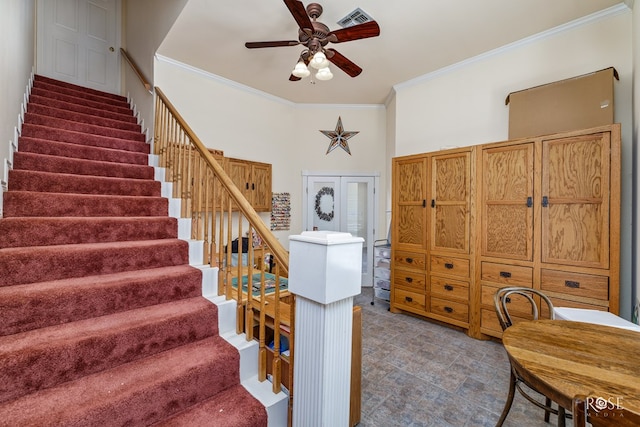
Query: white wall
[(636, 136), (251, 125), (145, 25), (464, 104), (17, 56)]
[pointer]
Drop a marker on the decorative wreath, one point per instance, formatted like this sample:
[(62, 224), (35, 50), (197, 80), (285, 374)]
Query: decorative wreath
[(325, 216)]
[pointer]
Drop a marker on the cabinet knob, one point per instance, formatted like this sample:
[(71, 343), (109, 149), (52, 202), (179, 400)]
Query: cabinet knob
[(507, 300), (448, 265), (448, 287), (448, 309), (408, 279), (408, 299), (505, 274), (409, 260)]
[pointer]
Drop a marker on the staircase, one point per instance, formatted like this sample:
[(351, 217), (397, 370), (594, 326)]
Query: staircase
[(102, 319)]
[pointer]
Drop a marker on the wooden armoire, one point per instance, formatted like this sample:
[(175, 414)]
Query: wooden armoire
[(542, 212)]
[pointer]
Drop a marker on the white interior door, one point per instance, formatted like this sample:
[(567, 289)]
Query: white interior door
[(347, 204), (78, 42)]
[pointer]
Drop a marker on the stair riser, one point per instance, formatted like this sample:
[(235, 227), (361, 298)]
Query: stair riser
[(65, 358), (32, 306), (31, 265), (53, 122), (82, 117), (61, 135), (119, 108), (19, 232), (55, 164), (28, 204), (69, 106), (22, 180), (82, 152)]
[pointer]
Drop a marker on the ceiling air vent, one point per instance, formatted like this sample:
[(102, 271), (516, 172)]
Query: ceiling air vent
[(356, 17)]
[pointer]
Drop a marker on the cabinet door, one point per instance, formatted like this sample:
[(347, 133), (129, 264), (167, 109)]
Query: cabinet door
[(507, 201), (450, 199), (575, 200), (261, 186), (239, 171), (410, 199)]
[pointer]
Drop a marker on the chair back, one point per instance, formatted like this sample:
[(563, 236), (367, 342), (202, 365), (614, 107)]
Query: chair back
[(502, 299), (601, 412)]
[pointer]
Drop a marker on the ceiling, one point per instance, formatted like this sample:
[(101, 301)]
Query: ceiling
[(417, 37)]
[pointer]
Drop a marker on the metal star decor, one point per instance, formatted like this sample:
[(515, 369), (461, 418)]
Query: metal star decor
[(339, 137)]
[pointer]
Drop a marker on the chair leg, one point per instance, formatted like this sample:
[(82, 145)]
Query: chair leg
[(561, 417), (547, 402), (507, 404)]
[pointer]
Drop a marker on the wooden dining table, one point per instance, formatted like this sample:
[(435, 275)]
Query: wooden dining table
[(563, 359)]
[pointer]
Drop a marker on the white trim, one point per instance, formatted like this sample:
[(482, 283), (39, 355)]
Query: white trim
[(586, 20), (340, 173)]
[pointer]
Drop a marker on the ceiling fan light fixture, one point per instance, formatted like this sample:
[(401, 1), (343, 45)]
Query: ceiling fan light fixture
[(301, 70), (319, 60), (324, 74)]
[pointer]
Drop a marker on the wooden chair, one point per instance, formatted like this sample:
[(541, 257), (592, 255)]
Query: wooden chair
[(502, 299), (602, 412)]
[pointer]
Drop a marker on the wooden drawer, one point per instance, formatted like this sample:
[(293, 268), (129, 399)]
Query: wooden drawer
[(450, 266), (410, 279), (449, 289), (451, 309), (576, 284), (489, 320), (409, 299), (507, 275), (410, 260), (516, 304)]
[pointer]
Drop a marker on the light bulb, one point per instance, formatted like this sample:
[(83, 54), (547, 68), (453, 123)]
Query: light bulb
[(324, 74), (301, 70), (319, 60)]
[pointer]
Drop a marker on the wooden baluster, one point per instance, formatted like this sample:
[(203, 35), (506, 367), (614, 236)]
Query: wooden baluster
[(240, 298)]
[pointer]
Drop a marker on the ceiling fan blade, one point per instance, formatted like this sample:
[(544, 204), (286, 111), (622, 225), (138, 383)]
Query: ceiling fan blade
[(257, 45), (299, 13), (293, 78), (343, 63), (357, 32)]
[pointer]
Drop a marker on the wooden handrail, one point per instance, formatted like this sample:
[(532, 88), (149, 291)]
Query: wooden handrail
[(136, 70), (278, 251)]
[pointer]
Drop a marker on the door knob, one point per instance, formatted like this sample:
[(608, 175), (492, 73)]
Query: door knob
[(111, 49)]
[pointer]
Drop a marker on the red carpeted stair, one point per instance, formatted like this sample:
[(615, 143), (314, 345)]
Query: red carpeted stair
[(102, 320)]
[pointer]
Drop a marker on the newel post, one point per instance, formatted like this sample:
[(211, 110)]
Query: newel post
[(325, 274)]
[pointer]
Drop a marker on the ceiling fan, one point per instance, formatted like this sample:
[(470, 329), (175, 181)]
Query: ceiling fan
[(315, 35)]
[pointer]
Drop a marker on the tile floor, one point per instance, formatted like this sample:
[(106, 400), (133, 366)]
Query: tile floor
[(417, 373)]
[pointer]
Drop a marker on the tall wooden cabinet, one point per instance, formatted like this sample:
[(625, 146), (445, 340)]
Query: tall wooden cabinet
[(541, 212), (431, 235), (550, 220)]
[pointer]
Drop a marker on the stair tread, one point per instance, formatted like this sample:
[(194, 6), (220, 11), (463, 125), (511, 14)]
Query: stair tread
[(55, 122), (116, 395), (81, 117)]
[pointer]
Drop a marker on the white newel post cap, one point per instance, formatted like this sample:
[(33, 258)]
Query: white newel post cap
[(325, 266)]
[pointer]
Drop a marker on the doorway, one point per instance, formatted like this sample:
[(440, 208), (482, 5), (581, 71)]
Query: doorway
[(78, 41), (345, 203)]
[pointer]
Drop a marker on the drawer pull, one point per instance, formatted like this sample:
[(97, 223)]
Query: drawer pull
[(505, 274), (507, 300), (409, 279), (408, 299), (448, 265), (448, 309), (409, 260), (448, 287), (571, 284)]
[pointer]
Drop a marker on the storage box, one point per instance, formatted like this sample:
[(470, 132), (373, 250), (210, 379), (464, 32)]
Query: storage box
[(577, 103)]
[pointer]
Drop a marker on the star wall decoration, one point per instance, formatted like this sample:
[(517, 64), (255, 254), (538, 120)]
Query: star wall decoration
[(339, 137)]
